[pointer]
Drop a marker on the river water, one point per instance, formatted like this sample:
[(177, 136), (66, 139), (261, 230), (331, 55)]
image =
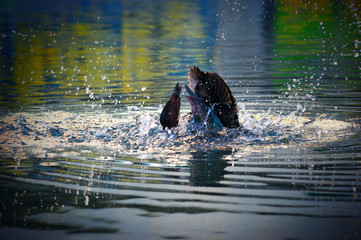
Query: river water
[(82, 152)]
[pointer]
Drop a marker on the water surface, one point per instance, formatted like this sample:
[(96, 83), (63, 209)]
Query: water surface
[(82, 153)]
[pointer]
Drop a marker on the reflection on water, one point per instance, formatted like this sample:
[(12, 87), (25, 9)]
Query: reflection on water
[(119, 58), (82, 153), (311, 47), (208, 168)]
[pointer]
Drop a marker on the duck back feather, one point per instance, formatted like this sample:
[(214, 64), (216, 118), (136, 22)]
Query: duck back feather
[(216, 94)]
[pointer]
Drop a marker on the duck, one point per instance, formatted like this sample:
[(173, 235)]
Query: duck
[(210, 98)]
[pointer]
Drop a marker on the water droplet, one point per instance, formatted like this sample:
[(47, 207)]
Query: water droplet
[(132, 108)]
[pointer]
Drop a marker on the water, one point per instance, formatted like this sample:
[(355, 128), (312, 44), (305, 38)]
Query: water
[(83, 155)]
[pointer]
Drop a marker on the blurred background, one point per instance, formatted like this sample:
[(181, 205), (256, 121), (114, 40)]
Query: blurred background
[(94, 53)]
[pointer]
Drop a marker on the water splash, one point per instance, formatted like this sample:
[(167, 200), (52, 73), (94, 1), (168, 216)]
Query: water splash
[(140, 133)]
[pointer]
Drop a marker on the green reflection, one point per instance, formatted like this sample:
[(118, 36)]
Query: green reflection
[(316, 53), (315, 38)]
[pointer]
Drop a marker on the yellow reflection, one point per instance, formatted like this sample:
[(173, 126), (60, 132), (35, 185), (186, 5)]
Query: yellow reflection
[(90, 60), (151, 45)]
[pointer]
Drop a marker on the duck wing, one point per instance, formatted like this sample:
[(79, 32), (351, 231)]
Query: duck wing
[(170, 114), (216, 94)]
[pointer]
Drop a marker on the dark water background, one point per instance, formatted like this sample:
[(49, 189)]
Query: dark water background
[(82, 153)]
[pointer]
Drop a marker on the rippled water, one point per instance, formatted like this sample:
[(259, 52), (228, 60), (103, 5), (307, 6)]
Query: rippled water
[(82, 153)]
